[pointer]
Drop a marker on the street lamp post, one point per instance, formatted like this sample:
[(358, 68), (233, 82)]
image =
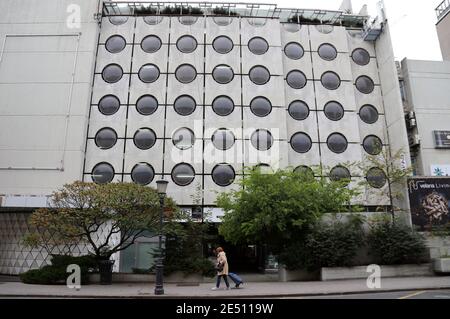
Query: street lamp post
[(161, 186)]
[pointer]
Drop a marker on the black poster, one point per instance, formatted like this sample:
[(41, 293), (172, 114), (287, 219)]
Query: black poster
[(429, 200)]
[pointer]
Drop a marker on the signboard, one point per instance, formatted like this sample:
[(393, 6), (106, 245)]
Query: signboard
[(429, 200), (441, 139)]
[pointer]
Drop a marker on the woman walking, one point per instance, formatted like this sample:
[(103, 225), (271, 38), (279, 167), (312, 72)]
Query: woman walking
[(222, 268)]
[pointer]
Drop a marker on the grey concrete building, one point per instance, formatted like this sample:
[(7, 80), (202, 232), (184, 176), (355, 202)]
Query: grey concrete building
[(131, 93), (443, 28)]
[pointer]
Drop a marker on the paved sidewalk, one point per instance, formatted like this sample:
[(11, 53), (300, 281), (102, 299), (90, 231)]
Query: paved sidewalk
[(249, 290)]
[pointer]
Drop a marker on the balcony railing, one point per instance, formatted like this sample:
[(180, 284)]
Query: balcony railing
[(442, 9)]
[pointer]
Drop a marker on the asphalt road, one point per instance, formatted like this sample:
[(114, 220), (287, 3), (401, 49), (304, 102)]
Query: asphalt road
[(414, 294)]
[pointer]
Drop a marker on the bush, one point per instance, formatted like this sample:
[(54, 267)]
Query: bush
[(395, 243)]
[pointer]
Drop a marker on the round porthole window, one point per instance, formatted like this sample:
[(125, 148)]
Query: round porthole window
[(325, 28), (368, 114), (330, 80), (147, 105), (376, 177), (373, 145), (183, 138), (187, 20), (144, 138), (102, 173), (223, 74), (148, 73), (259, 75), (298, 110), (327, 52), (185, 73), (337, 143), (115, 44), (361, 56), (106, 138), (186, 44), (109, 105), (296, 79), (112, 73), (223, 175), (301, 142), (258, 45), (304, 171), (184, 105), (153, 20), (333, 111), (340, 173), (261, 139), (222, 44), (142, 174), (223, 139), (364, 84), (223, 105), (183, 174), (294, 51), (118, 20), (260, 106), (151, 44)]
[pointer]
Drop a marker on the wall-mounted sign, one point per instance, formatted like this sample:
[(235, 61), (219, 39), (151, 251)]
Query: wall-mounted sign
[(429, 200), (440, 170), (441, 139)]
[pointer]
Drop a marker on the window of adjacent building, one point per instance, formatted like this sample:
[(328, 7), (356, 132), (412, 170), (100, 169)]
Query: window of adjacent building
[(327, 52), (223, 74), (109, 105), (340, 173), (151, 44), (223, 139), (337, 143), (361, 56), (223, 105), (118, 20), (364, 84), (258, 45), (148, 73), (112, 73), (185, 105), (186, 44), (333, 111), (142, 174), (106, 138), (183, 138), (298, 110), (183, 174), (261, 139), (301, 142), (115, 44), (294, 51), (376, 177), (260, 106), (259, 75), (188, 20), (368, 114), (102, 173), (296, 79), (144, 138), (373, 145), (223, 174), (153, 20), (185, 73), (330, 80), (222, 44), (147, 105)]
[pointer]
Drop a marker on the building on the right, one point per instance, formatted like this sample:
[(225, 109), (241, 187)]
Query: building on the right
[(443, 28)]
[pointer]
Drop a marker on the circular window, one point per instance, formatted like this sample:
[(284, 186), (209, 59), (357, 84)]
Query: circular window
[(261, 139), (106, 138), (223, 139), (109, 104), (151, 43), (112, 73), (186, 44), (376, 177), (368, 114), (340, 173), (337, 143), (301, 142), (153, 20), (291, 27), (223, 74), (364, 84), (118, 20), (373, 145), (222, 21), (184, 105), (115, 44), (258, 45), (330, 80), (222, 44), (324, 28), (185, 73), (361, 56), (355, 33), (259, 75), (183, 174), (298, 110), (183, 138), (257, 22), (142, 174), (187, 20), (327, 52), (147, 105), (304, 171), (333, 111), (223, 174), (144, 138), (102, 173), (223, 105), (294, 51), (263, 168), (296, 79), (260, 106), (148, 73)]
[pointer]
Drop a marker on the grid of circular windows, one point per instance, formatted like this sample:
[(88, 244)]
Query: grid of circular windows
[(118, 20), (109, 105), (185, 105), (185, 73), (376, 177), (337, 143), (301, 142), (333, 111), (223, 74), (340, 173), (151, 44), (327, 52), (142, 174), (188, 20), (373, 145), (294, 50), (261, 139), (259, 75), (183, 138), (186, 44), (292, 27), (147, 105), (258, 45), (330, 80), (260, 106), (144, 138), (364, 84), (183, 174), (368, 114), (298, 110), (324, 28), (223, 174), (222, 21), (222, 44), (296, 79), (148, 73), (102, 173), (361, 56), (112, 73), (223, 139), (106, 138), (153, 20), (223, 105), (115, 44), (304, 171)]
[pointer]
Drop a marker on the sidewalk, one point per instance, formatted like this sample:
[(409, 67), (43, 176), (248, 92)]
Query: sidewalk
[(249, 290)]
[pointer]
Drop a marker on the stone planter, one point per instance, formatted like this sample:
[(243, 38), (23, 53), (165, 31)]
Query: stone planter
[(441, 265), (438, 246), (285, 275)]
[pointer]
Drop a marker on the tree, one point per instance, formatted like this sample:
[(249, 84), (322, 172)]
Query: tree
[(277, 209), (80, 210)]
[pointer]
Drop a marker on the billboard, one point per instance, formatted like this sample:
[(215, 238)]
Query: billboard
[(429, 201)]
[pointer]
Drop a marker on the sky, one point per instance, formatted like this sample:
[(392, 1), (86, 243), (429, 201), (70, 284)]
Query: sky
[(412, 22)]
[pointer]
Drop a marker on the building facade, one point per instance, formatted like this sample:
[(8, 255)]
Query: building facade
[(443, 28), (136, 92)]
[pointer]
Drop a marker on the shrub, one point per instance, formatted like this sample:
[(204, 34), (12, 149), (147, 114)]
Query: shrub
[(395, 243)]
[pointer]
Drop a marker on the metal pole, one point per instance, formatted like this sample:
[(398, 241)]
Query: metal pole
[(159, 288)]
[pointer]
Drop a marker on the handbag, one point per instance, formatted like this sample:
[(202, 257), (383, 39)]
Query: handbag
[(219, 266)]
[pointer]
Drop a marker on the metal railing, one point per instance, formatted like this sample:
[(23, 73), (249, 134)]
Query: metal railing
[(442, 9)]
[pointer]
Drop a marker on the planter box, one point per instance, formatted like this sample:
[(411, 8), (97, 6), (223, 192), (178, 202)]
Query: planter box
[(360, 272), (285, 275), (441, 265), (438, 246)]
